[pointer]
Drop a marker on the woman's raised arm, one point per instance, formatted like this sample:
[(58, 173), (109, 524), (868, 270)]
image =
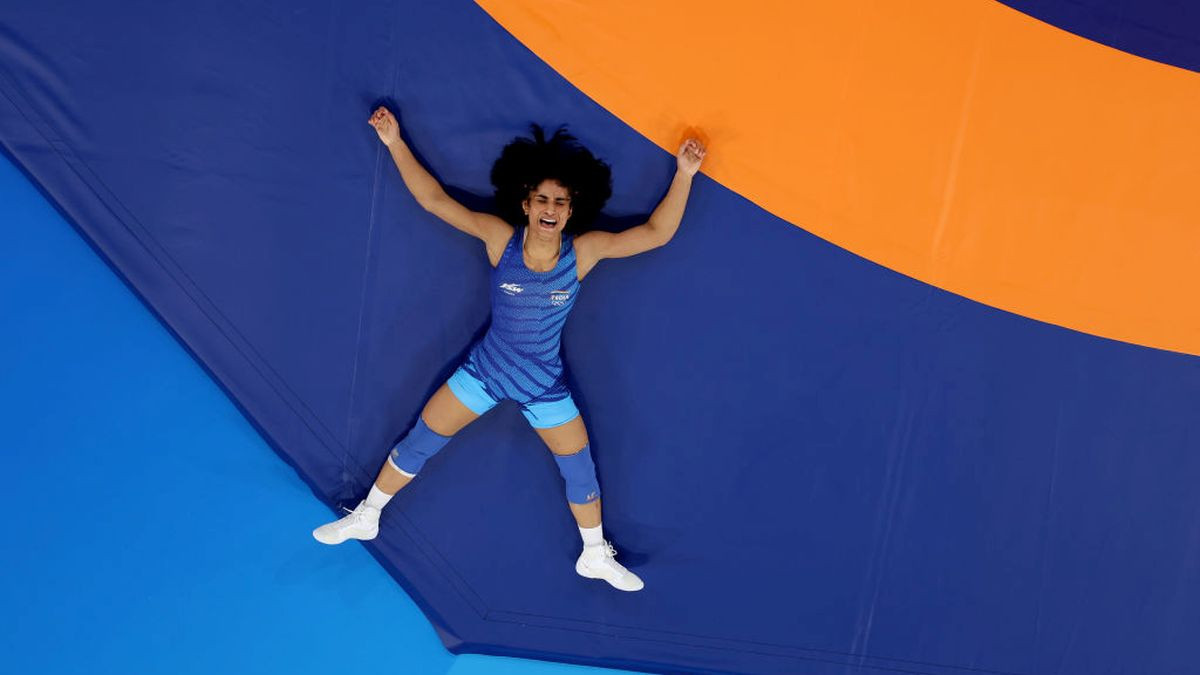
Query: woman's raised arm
[(592, 247), (429, 193)]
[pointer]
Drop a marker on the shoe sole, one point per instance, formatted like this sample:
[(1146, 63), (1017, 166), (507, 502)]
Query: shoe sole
[(586, 573), (335, 542)]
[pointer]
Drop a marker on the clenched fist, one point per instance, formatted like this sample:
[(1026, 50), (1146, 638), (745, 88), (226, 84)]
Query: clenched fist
[(385, 125)]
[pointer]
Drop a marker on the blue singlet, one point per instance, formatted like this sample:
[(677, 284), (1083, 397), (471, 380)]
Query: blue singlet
[(518, 358)]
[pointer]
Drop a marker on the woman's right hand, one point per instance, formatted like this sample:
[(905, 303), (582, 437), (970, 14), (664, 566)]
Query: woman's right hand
[(385, 125)]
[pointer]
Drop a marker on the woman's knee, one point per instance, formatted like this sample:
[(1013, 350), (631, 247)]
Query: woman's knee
[(442, 417), (579, 475), (418, 445)]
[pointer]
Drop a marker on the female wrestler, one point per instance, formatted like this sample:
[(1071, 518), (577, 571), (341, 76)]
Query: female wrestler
[(542, 186)]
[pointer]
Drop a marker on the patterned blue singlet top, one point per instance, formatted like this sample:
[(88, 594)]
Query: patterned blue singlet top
[(518, 358)]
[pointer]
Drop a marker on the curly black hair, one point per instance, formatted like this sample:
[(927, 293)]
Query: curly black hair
[(526, 162)]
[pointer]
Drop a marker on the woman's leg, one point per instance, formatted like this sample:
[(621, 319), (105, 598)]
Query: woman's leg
[(445, 416), (566, 441), (569, 444), (442, 417)]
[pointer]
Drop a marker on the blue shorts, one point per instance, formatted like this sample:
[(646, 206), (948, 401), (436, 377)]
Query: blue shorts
[(541, 414)]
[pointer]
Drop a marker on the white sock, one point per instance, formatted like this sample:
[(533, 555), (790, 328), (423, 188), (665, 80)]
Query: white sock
[(378, 498), (592, 536)]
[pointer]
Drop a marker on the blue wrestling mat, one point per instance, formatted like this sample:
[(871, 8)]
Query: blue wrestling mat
[(162, 535), (818, 463)]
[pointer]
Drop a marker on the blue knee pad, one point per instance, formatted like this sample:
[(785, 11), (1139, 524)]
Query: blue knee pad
[(414, 449), (579, 472)]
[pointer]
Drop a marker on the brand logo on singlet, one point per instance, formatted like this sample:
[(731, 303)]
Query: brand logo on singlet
[(511, 289), (559, 297)]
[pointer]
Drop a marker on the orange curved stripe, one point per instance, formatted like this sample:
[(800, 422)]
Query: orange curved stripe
[(956, 141)]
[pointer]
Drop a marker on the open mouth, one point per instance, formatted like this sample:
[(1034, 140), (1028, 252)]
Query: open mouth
[(548, 223)]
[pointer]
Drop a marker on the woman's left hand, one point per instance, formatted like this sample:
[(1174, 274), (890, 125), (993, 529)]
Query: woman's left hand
[(690, 155)]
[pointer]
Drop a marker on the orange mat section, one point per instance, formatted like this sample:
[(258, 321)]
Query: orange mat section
[(956, 141)]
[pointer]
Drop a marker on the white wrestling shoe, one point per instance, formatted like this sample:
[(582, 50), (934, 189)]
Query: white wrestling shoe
[(361, 523), (599, 562)]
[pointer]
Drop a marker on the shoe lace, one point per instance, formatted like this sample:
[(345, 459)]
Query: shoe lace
[(354, 516), (610, 554)]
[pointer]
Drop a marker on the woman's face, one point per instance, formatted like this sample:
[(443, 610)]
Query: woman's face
[(548, 207)]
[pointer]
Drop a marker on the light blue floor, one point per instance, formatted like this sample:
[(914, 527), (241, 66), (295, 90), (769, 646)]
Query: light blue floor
[(149, 529)]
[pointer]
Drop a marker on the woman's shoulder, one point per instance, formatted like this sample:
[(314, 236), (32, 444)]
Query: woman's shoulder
[(499, 246)]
